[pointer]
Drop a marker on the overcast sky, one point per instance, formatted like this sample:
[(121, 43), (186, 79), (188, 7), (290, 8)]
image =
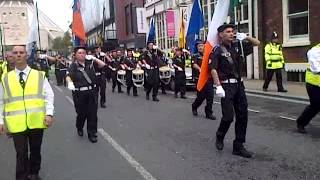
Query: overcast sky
[(59, 11)]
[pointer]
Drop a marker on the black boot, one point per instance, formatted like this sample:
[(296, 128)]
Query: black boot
[(240, 150), (301, 129), (147, 96), (194, 111), (211, 117), (155, 99), (219, 143)]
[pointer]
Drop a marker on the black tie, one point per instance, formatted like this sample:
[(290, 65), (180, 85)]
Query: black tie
[(22, 82)]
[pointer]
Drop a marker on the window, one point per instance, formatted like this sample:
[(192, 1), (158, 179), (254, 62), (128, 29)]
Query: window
[(296, 22), (160, 27), (244, 16), (128, 19), (111, 31)]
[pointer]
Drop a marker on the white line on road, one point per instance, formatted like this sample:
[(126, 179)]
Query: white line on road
[(58, 88), (289, 118), (278, 98), (135, 164), (252, 110), (70, 100)]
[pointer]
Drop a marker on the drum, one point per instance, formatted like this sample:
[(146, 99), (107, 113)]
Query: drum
[(121, 77), (138, 77), (165, 74)]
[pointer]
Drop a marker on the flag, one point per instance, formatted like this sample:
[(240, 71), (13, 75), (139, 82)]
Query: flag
[(219, 17), (77, 25), (196, 22), (182, 34), (33, 36), (152, 32)]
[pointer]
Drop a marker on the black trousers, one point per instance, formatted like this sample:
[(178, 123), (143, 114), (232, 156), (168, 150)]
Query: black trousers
[(207, 94), (235, 102), (86, 105), (115, 82), (180, 83), (311, 110), (57, 74), (101, 88), (152, 82), (25, 164), (163, 87), (130, 84), (270, 73)]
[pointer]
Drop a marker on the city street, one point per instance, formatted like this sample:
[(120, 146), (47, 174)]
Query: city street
[(141, 139)]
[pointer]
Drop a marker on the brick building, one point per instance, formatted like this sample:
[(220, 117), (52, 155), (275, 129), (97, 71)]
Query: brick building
[(126, 23), (297, 24)]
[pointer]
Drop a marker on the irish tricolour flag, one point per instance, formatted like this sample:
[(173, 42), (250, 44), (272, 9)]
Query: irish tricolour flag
[(219, 17)]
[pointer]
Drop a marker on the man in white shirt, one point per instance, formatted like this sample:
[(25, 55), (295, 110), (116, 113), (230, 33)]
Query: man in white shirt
[(28, 99), (313, 89)]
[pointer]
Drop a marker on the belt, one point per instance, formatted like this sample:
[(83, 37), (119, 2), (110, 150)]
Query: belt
[(154, 67), (98, 73), (63, 69), (85, 88), (232, 81)]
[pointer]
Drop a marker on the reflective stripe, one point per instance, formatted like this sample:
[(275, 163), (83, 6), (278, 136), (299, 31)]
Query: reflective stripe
[(21, 98), (21, 112), (6, 84), (40, 82)]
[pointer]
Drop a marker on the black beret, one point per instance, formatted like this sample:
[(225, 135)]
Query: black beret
[(199, 41), (225, 26), (130, 49), (75, 49)]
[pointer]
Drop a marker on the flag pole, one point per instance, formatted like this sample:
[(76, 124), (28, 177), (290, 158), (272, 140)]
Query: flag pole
[(103, 25), (38, 25)]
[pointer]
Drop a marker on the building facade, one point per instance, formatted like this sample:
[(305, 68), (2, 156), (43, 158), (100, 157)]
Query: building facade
[(297, 24), (128, 15), (15, 21)]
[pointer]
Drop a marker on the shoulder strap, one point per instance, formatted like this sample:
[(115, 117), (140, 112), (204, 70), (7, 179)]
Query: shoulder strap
[(84, 73), (227, 54)]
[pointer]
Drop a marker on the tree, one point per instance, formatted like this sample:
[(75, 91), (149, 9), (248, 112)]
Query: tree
[(62, 43)]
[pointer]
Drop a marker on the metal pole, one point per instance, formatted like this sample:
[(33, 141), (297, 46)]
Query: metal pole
[(38, 24), (2, 48)]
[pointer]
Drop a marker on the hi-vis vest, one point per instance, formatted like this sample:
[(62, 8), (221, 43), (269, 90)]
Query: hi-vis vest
[(273, 56), (313, 78), (24, 108)]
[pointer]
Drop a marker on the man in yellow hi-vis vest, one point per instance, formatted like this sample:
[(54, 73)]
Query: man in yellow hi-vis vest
[(7, 65), (274, 62), (28, 109), (313, 89)]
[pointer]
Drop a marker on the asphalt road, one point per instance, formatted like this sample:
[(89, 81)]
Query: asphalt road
[(141, 139)]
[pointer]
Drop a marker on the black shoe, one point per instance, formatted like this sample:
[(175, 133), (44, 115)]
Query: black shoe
[(211, 117), (175, 95), (183, 97), (103, 105), (120, 92), (155, 99), (219, 144), (93, 138), (113, 90), (301, 129), (34, 177), (147, 96), (135, 95), (163, 92), (194, 112), (241, 151), (80, 132), (282, 90), (265, 89)]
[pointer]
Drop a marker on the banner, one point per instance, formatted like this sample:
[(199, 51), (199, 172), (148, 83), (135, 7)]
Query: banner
[(170, 24), (142, 20)]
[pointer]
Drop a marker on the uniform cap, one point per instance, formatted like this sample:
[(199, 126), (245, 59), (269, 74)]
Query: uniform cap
[(224, 27)]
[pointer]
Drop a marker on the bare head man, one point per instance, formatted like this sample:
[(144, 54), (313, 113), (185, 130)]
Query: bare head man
[(19, 53), (10, 58)]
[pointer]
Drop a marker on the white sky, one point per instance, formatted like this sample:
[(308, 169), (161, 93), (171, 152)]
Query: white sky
[(59, 11)]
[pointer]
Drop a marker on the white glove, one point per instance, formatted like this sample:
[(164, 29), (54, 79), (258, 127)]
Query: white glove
[(43, 56), (71, 86), (114, 69), (220, 92), (90, 57), (102, 54), (147, 66), (180, 69), (241, 36)]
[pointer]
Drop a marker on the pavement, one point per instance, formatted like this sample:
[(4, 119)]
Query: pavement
[(146, 140), (296, 90)]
